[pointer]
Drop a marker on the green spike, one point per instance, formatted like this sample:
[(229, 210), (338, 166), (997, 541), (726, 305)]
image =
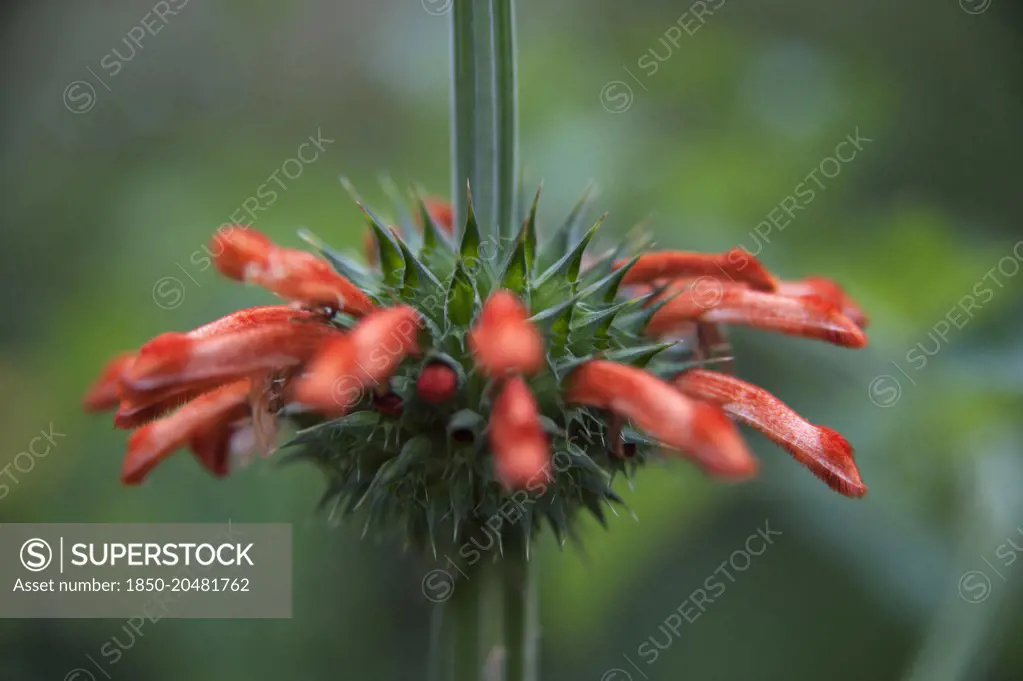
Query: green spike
[(392, 264), (592, 503), (639, 356), (636, 322), (419, 281), (564, 237), (357, 419), (359, 275), (608, 287), (460, 303), (593, 330), (434, 240), (469, 246), (603, 318), (517, 271), (555, 321), (404, 218), (529, 230), (566, 270)]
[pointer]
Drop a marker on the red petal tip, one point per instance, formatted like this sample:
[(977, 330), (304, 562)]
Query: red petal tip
[(103, 394)]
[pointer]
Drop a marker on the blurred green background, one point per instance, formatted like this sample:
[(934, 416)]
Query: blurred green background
[(113, 181)]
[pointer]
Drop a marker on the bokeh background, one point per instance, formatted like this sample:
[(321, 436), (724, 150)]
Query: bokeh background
[(113, 181)]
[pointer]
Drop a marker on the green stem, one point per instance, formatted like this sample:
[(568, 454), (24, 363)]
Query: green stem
[(521, 609), (484, 113), (466, 606)]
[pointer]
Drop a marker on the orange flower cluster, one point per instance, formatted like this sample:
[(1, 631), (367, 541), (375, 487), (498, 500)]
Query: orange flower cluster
[(217, 388)]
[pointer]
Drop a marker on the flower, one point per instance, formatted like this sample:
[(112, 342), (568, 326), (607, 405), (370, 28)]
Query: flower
[(823, 451), (442, 377), (363, 358), (521, 451), (503, 341)]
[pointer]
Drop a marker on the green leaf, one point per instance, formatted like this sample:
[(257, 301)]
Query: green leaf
[(392, 264), (460, 303)]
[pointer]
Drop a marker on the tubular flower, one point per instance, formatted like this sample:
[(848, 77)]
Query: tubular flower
[(503, 341), (828, 290), (151, 444), (339, 375), (823, 451), (710, 300), (213, 376), (103, 394), (521, 451), (177, 359), (736, 265), (247, 255), (408, 374), (697, 429)]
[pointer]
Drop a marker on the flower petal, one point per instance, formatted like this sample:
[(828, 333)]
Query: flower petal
[(151, 444), (247, 255), (344, 368), (177, 359), (519, 444), (828, 290), (220, 447), (142, 407), (103, 394), (709, 300), (735, 266), (503, 340), (698, 429), (822, 450)]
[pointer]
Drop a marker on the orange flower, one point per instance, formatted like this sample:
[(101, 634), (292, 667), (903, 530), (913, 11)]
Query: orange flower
[(247, 255), (828, 290), (151, 444), (697, 429), (517, 439), (144, 406), (503, 340), (178, 359), (214, 447), (341, 371), (822, 450), (710, 300), (736, 265), (103, 394)]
